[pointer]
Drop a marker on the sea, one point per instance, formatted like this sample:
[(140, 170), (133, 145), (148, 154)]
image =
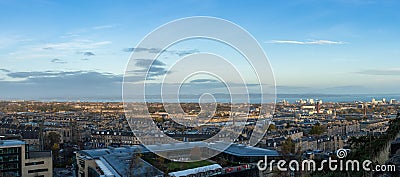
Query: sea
[(226, 98)]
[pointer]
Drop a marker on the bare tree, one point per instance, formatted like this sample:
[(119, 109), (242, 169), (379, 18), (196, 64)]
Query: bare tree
[(134, 164), (195, 153)]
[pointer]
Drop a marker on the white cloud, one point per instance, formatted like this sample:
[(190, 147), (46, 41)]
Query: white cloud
[(70, 35), (63, 49), (75, 44), (381, 72), (318, 42), (82, 31), (102, 27), (7, 40)]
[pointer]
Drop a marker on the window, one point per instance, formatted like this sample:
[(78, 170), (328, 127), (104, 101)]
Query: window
[(38, 170), (34, 163)]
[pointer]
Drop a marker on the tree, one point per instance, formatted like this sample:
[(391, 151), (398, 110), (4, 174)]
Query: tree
[(134, 163), (195, 153), (317, 130), (50, 139), (160, 160), (55, 149), (272, 127), (288, 146)]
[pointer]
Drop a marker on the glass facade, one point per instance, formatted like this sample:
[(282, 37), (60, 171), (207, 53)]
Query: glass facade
[(10, 161)]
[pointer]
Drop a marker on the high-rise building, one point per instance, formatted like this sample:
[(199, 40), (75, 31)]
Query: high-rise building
[(16, 160), (373, 101)]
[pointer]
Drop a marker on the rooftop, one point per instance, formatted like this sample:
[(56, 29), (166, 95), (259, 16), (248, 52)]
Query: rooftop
[(242, 150), (120, 163), (116, 160), (194, 171), (232, 149), (6, 143), (104, 168), (39, 154), (96, 153)]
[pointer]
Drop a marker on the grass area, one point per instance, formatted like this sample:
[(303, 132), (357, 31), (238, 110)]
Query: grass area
[(170, 166), (188, 165)]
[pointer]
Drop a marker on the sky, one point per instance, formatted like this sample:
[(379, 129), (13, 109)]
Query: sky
[(74, 49)]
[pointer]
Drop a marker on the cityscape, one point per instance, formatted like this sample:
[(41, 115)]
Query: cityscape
[(190, 88), (94, 138)]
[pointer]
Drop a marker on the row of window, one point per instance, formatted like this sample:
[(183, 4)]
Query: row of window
[(9, 158), (38, 170), (9, 166), (13, 150), (34, 163), (10, 173)]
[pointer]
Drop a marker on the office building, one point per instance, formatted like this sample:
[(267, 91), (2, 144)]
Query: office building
[(17, 160)]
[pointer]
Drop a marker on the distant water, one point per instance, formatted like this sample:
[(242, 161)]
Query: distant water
[(254, 98), (339, 98)]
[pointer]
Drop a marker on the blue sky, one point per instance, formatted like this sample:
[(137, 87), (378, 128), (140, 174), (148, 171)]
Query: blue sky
[(61, 49)]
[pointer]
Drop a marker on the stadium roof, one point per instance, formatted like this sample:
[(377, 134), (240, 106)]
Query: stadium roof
[(242, 150), (195, 170)]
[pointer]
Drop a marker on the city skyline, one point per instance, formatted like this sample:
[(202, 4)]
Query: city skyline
[(337, 47)]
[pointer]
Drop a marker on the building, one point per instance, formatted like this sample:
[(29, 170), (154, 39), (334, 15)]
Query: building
[(208, 170), (101, 139), (324, 143), (114, 162), (293, 134), (17, 160)]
